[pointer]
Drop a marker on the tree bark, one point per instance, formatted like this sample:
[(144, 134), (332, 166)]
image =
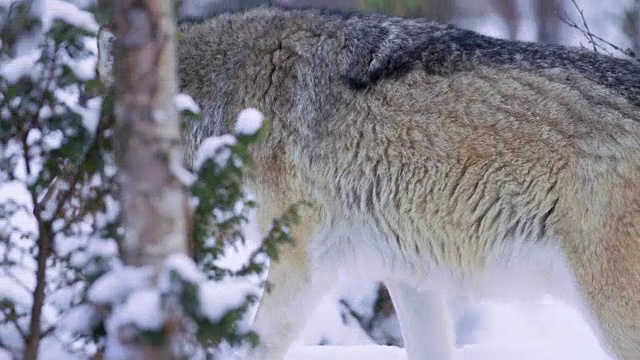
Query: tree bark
[(154, 201), (45, 242)]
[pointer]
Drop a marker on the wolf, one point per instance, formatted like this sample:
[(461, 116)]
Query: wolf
[(438, 160)]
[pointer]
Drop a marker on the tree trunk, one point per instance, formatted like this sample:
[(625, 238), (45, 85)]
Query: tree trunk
[(635, 36), (548, 22), (508, 10), (154, 201)]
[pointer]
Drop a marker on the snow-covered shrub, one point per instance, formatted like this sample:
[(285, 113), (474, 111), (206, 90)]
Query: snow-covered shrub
[(59, 212), (64, 290)]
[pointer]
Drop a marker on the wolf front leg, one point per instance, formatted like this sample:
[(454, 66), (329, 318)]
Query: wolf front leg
[(297, 287), (424, 320)]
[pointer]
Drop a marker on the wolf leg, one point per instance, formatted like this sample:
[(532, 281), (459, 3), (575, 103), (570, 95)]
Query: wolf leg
[(424, 320), (297, 287)]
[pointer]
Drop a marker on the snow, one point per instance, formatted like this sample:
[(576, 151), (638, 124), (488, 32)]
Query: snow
[(52, 349), (539, 330), (142, 309), (12, 291), (90, 114), (334, 328), (69, 13), (84, 67), (216, 298), (219, 297), (516, 351), (211, 148), (28, 53), (112, 206), (186, 177), (185, 267), (249, 121), (16, 191), (185, 102), (117, 284), (79, 320), (4, 354), (105, 248), (367, 352), (21, 66)]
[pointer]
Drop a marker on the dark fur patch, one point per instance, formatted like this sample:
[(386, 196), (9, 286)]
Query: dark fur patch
[(381, 46), (389, 47)]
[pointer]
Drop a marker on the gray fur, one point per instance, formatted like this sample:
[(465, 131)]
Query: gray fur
[(394, 46), (448, 149), (371, 47)]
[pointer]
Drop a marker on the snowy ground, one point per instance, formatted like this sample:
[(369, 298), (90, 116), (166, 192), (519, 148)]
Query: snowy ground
[(530, 331), (346, 352)]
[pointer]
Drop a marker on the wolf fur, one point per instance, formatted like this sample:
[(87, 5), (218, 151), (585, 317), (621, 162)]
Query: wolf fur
[(438, 160)]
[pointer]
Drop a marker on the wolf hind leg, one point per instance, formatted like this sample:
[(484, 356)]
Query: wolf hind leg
[(610, 284), (600, 230), (297, 287), (425, 322)]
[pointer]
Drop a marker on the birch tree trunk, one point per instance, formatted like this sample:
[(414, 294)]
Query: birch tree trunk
[(154, 201)]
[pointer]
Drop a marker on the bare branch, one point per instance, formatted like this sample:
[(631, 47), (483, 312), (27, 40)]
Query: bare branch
[(586, 26), (44, 243), (597, 42)]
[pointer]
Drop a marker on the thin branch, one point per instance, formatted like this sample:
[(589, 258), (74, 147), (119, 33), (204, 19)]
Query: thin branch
[(50, 73), (594, 40), (75, 177), (48, 331), (17, 280), (12, 317), (588, 33), (45, 244)]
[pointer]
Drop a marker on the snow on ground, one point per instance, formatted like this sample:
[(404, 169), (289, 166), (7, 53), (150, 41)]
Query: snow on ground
[(544, 330), (369, 352)]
